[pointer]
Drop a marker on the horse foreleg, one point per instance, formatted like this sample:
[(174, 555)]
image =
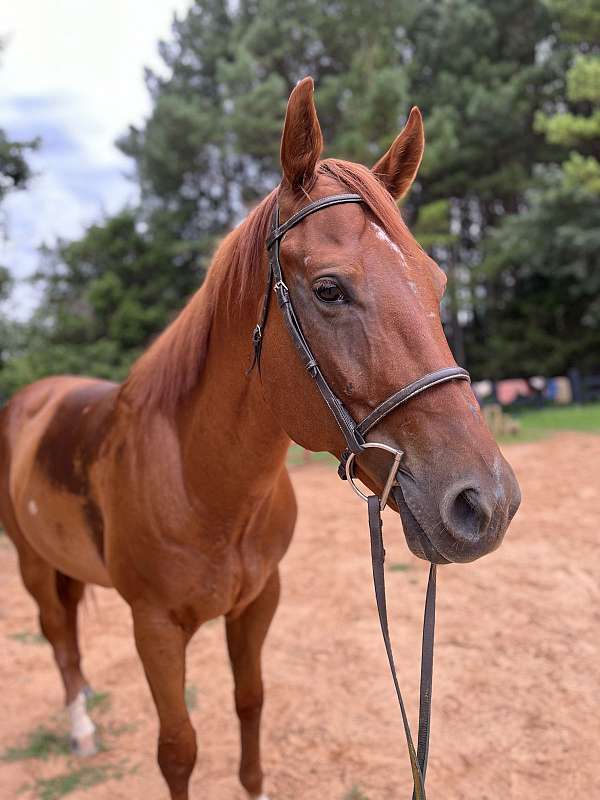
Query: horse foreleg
[(161, 645), (245, 637)]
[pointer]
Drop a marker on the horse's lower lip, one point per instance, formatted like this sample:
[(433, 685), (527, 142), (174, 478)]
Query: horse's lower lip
[(416, 538)]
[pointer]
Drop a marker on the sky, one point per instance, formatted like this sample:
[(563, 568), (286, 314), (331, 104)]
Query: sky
[(71, 72)]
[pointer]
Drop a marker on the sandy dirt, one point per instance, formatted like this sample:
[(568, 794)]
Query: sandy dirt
[(517, 683)]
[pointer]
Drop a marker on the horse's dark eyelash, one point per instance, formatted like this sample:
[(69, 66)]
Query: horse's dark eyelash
[(327, 282)]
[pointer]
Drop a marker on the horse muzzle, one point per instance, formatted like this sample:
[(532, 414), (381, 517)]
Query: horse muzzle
[(467, 521)]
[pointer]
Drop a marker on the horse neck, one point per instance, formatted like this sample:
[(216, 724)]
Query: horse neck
[(229, 437)]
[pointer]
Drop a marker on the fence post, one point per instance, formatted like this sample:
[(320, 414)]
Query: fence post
[(574, 375)]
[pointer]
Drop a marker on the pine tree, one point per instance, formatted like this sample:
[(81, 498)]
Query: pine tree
[(477, 77), (546, 259)]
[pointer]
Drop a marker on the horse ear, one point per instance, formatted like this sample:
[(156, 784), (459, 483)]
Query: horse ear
[(398, 167), (302, 140)]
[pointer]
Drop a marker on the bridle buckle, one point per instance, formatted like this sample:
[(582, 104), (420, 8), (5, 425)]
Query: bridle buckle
[(391, 478)]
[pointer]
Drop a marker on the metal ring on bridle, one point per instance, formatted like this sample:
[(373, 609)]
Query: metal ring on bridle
[(391, 475)]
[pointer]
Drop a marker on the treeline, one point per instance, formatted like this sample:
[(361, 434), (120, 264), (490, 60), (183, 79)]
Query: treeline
[(507, 199)]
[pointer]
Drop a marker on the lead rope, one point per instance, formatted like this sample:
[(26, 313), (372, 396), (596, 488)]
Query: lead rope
[(418, 760)]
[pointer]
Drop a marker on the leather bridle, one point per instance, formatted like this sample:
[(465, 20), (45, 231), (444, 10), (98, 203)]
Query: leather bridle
[(354, 434)]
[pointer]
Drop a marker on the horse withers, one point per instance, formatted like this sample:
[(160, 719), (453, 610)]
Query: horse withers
[(172, 487)]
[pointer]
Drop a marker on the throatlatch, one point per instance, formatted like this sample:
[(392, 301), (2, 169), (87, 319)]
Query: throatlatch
[(354, 434)]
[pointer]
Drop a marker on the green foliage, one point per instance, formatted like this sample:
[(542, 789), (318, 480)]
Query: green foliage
[(583, 79), (105, 296), (569, 129), (15, 172), (7, 328), (540, 423), (191, 696), (544, 262), (14, 169), (355, 793), (432, 228), (399, 567), (98, 700), (582, 173), (41, 744), (578, 21), (573, 418), (5, 283), (26, 637), (68, 782)]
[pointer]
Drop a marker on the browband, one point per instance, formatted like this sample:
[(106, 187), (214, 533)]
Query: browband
[(333, 200)]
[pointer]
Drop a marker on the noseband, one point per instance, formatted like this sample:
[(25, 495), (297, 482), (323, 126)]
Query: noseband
[(354, 434)]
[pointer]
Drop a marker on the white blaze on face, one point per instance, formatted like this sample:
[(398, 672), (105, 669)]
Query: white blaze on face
[(382, 236), (32, 507), (82, 727)]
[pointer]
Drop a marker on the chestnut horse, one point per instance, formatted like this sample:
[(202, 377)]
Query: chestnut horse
[(173, 487)]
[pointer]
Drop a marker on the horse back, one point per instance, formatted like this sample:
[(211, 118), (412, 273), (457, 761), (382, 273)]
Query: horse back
[(51, 433)]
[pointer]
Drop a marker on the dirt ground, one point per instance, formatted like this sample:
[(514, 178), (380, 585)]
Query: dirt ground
[(517, 673)]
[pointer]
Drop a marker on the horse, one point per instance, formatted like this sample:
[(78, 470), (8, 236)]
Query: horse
[(172, 486)]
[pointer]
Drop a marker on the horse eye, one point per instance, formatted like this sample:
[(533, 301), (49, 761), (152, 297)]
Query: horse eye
[(328, 291)]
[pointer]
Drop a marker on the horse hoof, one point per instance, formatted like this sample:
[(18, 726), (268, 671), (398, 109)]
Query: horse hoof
[(84, 747)]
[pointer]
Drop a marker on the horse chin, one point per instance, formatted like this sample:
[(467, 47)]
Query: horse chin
[(416, 538)]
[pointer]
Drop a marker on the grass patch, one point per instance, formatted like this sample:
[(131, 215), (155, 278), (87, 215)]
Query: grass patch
[(297, 456), (538, 423), (41, 743), (119, 728), (98, 701), (81, 778), (355, 793), (26, 637), (399, 567), (191, 697)]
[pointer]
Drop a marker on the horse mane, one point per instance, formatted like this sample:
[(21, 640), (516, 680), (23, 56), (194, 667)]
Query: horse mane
[(172, 365)]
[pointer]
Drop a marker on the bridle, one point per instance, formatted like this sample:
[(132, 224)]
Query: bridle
[(354, 434)]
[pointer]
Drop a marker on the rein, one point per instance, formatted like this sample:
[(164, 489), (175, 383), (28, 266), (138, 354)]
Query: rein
[(354, 434)]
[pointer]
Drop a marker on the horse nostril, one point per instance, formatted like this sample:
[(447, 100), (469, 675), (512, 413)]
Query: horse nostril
[(465, 514)]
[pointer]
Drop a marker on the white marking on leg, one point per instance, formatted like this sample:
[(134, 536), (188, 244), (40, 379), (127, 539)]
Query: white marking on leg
[(258, 797), (32, 507), (82, 727)]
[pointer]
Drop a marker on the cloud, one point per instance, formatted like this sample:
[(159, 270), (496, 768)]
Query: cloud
[(73, 184), (71, 74)]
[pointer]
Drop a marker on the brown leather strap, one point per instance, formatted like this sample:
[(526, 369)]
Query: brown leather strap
[(418, 760), (416, 387), (325, 202), (426, 672)]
